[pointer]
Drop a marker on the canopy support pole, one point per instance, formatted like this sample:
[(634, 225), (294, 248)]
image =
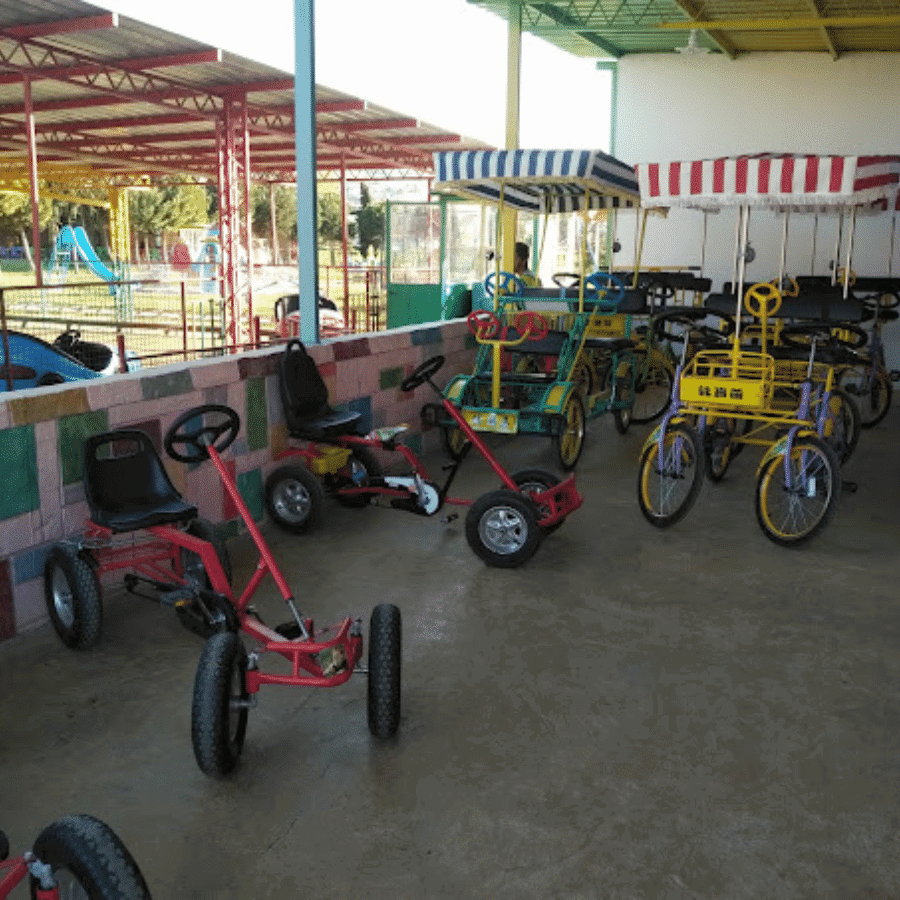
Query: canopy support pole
[(849, 257)]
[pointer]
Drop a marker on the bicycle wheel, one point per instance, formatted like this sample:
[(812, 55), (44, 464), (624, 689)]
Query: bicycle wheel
[(667, 489), (795, 498), (719, 448), (872, 391), (652, 387), (570, 441), (842, 424)]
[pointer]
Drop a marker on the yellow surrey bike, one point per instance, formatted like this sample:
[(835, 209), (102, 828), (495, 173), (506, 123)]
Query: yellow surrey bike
[(798, 481)]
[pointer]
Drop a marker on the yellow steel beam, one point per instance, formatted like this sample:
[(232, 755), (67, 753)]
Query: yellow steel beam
[(826, 36), (786, 23)]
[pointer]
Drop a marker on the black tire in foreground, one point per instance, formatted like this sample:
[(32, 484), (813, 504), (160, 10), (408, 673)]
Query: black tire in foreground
[(295, 499), (502, 528), (72, 592), (383, 702), (89, 860), (219, 709)]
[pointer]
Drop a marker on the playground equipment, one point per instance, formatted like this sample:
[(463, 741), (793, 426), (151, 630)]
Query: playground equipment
[(75, 858), (558, 389), (73, 244), (798, 480), (503, 527)]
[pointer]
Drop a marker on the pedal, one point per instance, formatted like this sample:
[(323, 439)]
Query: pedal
[(177, 597), (446, 520), (850, 487)]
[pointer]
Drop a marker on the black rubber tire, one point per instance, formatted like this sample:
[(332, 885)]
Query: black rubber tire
[(361, 456), (570, 442), (383, 699), (531, 481), (500, 513), (845, 424), (217, 729), (874, 402), (661, 514), (72, 592), (652, 389), (719, 449), (87, 853), (822, 465), (295, 499)]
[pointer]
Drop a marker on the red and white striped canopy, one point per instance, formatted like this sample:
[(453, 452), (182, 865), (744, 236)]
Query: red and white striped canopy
[(781, 181)]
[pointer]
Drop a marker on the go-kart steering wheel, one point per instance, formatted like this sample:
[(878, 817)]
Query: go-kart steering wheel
[(824, 332), (508, 281), (612, 289), (483, 323), (762, 298), (422, 373), (533, 323), (202, 437), (559, 279)]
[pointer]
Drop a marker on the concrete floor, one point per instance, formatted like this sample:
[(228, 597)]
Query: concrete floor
[(690, 713)]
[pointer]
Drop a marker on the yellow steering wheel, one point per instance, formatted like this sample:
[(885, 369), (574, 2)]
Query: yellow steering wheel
[(762, 300), (788, 286), (850, 274)]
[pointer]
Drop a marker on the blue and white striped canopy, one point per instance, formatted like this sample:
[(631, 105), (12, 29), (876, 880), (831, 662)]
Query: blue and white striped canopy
[(539, 181)]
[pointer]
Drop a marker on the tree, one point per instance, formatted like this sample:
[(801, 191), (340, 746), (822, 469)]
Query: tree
[(369, 222), (155, 211), (15, 219)]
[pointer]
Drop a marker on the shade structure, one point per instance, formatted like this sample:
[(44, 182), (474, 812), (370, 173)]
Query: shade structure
[(776, 181), (538, 181)]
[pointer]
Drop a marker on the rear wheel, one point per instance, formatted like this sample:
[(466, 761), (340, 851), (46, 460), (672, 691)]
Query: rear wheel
[(219, 708), (796, 497), (453, 441), (89, 861), (502, 528), (652, 388), (294, 498), (72, 593), (383, 702), (570, 441), (719, 448), (842, 424), (536, 481), (872, 392), (668, 486)]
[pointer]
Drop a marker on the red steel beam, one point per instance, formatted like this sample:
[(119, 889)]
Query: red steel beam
[(64, 26)]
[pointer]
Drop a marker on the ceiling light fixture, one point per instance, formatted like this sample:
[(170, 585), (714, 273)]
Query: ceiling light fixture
[(692, 48)]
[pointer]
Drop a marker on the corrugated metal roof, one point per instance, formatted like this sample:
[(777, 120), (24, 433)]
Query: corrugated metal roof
[(123, 96), (612, 28)]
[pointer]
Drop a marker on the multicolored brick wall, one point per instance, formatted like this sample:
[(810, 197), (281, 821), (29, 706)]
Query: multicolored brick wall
[(42, 434)]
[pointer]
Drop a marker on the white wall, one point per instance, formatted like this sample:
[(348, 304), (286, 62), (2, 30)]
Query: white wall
[(674, 107)]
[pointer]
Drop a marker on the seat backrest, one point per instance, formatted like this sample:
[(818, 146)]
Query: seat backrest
[(303, 392), (123, 472)]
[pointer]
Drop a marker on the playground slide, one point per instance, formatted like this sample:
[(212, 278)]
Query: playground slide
[(77, 238)]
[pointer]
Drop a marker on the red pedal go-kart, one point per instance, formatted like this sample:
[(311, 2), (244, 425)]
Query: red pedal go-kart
[(504, 527), (176, 553), (76, 858)]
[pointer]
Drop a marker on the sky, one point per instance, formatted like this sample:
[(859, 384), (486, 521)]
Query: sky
[(441, 61)]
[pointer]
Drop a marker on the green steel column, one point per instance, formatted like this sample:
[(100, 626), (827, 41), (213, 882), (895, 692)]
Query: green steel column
[(305, 140)]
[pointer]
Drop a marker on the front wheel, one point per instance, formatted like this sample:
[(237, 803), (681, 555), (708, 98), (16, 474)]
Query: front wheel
[(570, 441), (219, 709), (72, 592), (294, 498), (872, 391), (383, 703), (668, 486), (841, 427), (89, 861), (502, 528), (796, 497), (652, 387)]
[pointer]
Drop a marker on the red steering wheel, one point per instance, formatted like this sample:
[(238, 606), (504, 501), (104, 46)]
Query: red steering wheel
[(532, 323), (483, 324)]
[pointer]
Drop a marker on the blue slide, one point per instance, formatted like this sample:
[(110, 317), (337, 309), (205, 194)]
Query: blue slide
[(77, 238)]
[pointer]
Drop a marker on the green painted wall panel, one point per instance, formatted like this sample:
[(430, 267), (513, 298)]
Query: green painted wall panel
[(73, 430), (257, 419), (19, 492)]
